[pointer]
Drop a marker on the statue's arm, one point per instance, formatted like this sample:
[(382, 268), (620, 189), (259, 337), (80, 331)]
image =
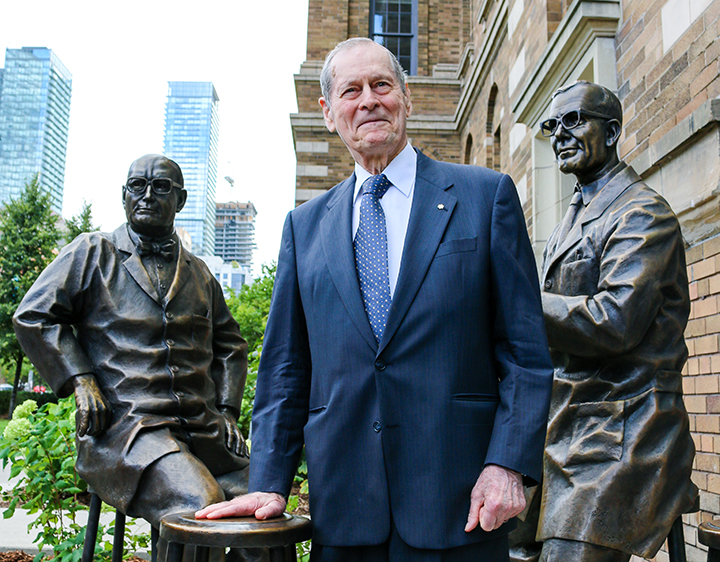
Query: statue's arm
[(229, 370), (638, 267), (44, 319)]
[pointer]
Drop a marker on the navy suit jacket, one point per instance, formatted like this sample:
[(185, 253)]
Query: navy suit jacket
[(461, 378)]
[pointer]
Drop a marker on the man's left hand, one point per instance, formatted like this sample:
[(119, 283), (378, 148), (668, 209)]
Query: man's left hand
[(496, 497), (234, 440)]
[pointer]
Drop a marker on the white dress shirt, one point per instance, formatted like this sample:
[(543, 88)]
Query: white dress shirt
[(396, 204)]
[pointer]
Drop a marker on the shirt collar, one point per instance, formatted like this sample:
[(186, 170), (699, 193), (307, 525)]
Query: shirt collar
[(400, 172), (590, 190)]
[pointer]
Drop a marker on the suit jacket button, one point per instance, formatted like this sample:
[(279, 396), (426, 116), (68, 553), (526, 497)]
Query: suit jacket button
[(380, 366), (548, 284), (377, 427)]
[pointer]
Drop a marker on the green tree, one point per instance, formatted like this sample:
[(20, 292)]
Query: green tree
[(251, 304), (28, 240), (82, 222)]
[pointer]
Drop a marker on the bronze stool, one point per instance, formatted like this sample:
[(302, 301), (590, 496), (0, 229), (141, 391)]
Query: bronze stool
[(709, 535), (279, 535)]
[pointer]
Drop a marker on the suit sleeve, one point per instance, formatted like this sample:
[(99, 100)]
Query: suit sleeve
[(283, 384), (637, 269), (521, 350), (43, 321), (229, 366)]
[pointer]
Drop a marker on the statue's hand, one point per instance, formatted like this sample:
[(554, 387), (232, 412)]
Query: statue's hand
[(93, 410), (234, 440)]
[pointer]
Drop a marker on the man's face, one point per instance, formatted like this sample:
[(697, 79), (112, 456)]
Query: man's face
[(367, 106), (583, 150), (150, 213)]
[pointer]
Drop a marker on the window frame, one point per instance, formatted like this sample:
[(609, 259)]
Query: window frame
[(412, 71)]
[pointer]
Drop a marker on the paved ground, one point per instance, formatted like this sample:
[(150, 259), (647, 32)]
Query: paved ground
[(14, 533)]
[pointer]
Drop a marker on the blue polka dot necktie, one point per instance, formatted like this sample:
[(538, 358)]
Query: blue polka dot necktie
[(371, 254)]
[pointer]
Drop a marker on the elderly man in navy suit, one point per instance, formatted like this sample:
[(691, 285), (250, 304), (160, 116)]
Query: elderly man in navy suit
[(405, 346)]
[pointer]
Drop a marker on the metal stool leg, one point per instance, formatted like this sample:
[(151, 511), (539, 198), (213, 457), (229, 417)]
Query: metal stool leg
[(118, 537), (202, 554), (175, 552), (676, 542), (283, 553), (154, 536), (91, 530)]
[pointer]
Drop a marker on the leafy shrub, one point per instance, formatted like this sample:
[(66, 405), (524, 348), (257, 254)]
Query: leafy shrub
[(39, 445), (40, 398)]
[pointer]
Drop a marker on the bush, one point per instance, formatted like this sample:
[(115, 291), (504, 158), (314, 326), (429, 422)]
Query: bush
[(39, 444), (39, 398)]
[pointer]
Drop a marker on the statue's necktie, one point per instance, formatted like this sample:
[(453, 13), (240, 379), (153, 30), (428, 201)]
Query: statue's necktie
[(371, 254), (164, 249), (576, 205)]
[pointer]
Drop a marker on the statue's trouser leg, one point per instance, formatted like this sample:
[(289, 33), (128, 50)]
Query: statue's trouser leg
[(173, 483), (561, 550)]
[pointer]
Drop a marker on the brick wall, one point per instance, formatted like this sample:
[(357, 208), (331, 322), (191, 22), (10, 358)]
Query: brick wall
[(661, 84), (327, 26)]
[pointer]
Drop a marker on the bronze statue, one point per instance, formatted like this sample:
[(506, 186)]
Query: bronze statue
[(618, 455), (137, 327)]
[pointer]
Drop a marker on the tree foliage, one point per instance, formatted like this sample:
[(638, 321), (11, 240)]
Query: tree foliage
[(28, 240), (82, 222), (251, 304)]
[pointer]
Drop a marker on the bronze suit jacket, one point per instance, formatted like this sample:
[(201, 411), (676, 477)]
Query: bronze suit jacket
[(618, 455), (165, 365)]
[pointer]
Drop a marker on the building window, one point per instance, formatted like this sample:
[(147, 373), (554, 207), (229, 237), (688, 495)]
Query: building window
[(394, 25)]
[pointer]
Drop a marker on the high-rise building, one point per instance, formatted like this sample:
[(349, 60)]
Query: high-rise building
[(35, 91), (191, 139), (235, 232)]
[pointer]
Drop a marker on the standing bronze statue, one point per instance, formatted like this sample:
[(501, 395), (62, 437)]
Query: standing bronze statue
[(138, 329), (618, 456)]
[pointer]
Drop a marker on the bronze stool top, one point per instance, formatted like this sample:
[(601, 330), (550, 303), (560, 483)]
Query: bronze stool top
[(246, 532)]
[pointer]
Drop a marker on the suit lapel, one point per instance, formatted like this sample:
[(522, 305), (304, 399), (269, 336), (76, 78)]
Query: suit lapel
[(133, 263), (336, 234), (602, 200), (431, 210)]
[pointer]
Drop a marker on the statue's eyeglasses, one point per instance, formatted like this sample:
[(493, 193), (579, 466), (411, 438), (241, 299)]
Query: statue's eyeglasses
[(569, 120), (160, 186)]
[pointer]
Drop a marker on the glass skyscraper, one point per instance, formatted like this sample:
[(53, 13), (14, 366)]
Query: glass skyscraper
[(191, 139), (35, 90)]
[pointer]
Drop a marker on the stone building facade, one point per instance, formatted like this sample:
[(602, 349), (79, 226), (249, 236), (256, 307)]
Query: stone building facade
[(483, 72)]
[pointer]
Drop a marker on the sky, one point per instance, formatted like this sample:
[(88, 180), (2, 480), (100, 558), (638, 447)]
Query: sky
[(122, 55)]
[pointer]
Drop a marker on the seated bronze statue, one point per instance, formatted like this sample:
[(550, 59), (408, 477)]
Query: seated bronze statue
[(137, 328)]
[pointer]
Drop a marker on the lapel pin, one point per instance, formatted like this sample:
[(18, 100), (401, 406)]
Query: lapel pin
[(441, 207)]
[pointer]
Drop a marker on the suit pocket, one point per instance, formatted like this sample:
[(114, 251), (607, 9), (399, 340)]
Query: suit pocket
[(474, 409), (456, 246), (579, 277), (598, 430)]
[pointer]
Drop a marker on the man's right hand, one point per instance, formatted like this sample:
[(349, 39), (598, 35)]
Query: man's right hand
[(262, 505), (93, 411)]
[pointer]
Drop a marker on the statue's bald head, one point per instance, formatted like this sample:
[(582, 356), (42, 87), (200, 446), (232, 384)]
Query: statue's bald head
[(156, 165)]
